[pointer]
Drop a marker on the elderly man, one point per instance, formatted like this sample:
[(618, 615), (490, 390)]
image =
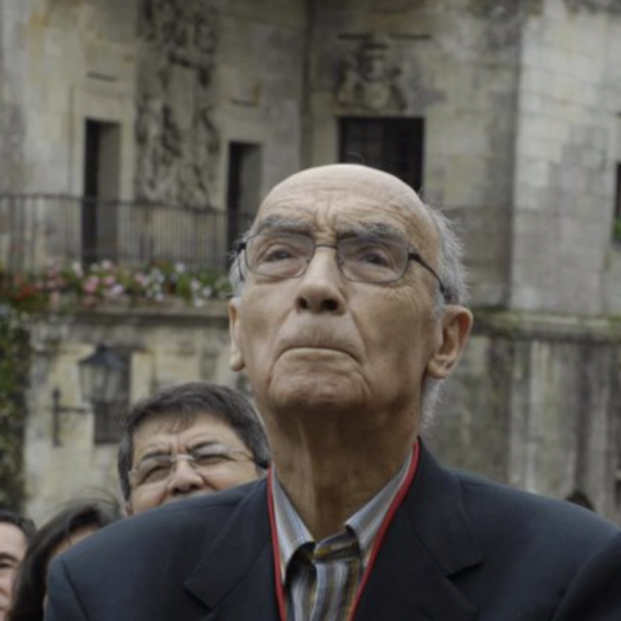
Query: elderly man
[(15, 533), (348, 316), (187, 440)]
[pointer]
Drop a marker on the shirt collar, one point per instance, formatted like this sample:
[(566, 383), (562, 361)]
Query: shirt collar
[(293, 533)]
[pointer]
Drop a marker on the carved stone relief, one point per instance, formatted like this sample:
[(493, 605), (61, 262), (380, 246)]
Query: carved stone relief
[(502, 21), (177, 141), (368, 78)]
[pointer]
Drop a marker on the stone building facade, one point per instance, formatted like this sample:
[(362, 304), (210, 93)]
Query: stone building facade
[(505, 114)]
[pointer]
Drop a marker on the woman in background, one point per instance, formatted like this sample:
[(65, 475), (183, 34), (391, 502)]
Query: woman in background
[(76, 521)]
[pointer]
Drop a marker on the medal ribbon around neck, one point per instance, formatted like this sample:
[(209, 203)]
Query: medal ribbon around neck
[(379, 538)]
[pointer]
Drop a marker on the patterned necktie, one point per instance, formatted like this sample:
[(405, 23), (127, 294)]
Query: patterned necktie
[(326, 578)]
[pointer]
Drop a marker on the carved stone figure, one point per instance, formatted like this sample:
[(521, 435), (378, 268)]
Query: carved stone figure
[(369, 78), (177, 139)]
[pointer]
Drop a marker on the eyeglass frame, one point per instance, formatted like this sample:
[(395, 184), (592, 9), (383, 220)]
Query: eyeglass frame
[(241, 246), (173, 458)]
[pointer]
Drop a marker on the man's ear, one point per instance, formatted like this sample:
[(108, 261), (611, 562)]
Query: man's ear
[(455, 327), (236, 360)]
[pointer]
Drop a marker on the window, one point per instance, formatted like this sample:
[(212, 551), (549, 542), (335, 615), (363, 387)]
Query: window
[(101, 190), (616, 223), (243, 187), (109, 416), (391, 144)]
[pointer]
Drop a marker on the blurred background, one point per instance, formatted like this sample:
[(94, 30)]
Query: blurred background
[(138, 137)]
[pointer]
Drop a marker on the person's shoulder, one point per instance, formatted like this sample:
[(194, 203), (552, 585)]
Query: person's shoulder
[(532, 519), (177, 524), (144, 560)]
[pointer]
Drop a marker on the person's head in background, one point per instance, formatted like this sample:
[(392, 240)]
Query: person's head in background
[(15, 533), (195, 438), (70, 525)]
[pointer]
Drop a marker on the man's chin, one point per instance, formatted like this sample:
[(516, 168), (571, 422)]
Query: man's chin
[(317, 393), (316, 367)]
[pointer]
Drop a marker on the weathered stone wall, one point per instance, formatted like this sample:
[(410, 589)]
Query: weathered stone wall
[(167, 347), (65, 61), (12, 128), (536, 403), (567, 151), (456, 64), (260, 75)]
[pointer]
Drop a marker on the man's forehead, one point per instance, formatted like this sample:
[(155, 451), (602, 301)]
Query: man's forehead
[(161, 431), (173, 423), (338, 182), (340, 175), (342, 196)]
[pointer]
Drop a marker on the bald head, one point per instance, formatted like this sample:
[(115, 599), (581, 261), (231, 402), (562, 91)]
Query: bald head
[(339, 175), (335, 179)]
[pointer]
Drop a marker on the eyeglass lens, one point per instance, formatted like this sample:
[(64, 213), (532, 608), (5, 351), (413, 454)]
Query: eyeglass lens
[(373, 259), (205, 459)]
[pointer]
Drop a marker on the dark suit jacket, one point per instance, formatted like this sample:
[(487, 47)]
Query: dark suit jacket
[(459, 549)]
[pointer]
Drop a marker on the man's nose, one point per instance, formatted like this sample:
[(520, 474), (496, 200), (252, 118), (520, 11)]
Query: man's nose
[(321, 286), (184, 478)]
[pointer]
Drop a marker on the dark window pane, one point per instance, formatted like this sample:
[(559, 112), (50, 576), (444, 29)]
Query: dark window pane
[(391, 144), (616, 232), (109, 416), (243, 187)]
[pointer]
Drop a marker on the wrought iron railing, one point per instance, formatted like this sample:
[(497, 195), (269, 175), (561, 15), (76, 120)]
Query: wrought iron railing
[(37, 229)]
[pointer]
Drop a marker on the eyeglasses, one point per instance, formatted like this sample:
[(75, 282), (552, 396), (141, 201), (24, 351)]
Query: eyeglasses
[(207, 460), (375, 259)]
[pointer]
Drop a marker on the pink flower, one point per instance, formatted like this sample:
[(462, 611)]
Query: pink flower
[(90, 286)]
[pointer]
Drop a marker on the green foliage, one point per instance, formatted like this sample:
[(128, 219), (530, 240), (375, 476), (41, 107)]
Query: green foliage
[(14, 369)]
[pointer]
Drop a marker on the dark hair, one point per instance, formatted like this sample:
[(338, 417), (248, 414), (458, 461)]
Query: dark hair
[(578, 497), (26, 525), (31, 581), (183, 404)]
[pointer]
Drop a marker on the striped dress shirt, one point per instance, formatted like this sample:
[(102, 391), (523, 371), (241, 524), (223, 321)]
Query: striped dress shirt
[(321, 578)]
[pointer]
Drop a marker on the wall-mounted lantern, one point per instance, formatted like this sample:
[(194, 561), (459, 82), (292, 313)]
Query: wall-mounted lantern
[(101, 375)]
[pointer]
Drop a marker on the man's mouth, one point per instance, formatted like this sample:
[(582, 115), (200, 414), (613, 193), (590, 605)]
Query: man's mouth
[(327, 340), (318, 349)]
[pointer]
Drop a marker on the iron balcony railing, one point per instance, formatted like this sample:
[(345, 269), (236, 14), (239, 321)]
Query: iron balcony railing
[(38, 229)]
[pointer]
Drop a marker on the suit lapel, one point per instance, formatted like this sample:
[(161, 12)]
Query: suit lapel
[(428, 541), (235, 576)]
